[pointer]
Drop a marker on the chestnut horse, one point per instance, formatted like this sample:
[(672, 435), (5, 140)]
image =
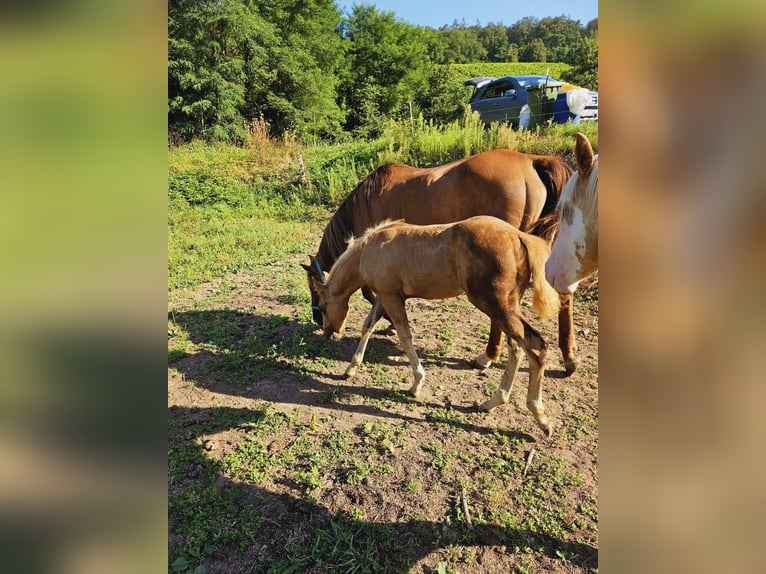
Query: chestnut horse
[(486, 258), (521, 189), (574, 255)]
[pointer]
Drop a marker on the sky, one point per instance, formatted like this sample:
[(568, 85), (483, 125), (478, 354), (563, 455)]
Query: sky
[(437, 13)]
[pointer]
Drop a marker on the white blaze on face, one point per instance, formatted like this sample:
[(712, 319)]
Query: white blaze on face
[(563, 268)]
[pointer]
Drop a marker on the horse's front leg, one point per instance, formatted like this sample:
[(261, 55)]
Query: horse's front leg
[(396, 310), (369, 325), (492, 353), (567, 342), (370, 296)]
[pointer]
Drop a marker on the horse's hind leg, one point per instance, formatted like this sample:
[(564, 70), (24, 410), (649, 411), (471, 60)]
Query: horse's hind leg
[(369, 324), (396, 310), (484, 360), (536, 349), (503, 393), (567, 342)]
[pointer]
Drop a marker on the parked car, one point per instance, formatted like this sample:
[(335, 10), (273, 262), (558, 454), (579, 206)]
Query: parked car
[(504, 100)]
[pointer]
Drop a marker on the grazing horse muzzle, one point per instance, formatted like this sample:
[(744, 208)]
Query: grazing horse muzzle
[(316, 314), (332, 335)]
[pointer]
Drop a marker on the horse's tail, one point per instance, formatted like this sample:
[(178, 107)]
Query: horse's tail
[(554, 173), (545, 299)]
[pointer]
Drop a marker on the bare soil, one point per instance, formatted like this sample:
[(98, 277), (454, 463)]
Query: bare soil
[(410, 464)]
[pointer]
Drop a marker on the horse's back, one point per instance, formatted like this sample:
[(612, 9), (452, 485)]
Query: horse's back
[(502, 183), (439, 261)]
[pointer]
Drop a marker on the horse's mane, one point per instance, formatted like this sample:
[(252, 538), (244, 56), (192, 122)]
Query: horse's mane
[(554, 173), (340, 228), (590, 199)]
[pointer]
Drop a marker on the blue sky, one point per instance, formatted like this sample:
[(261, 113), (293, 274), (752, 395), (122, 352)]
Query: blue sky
[(437, 13)]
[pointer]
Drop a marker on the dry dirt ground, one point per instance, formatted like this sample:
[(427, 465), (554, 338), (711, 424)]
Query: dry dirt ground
[(277, 463)]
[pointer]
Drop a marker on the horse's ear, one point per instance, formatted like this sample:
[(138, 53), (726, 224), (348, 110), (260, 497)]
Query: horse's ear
[(311, 269), (583, 155)]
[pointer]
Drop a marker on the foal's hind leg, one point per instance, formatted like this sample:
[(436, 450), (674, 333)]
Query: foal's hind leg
[(369, 324), (503, 393), (484, 360), (536, 349), (396, 310), (567, 342)]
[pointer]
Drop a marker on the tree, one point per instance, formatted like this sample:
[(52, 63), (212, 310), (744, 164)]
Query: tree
[(560, 35), (304, 60), (206, 68), (584, 71), (462, 46), (494, 38), (387, 66), (535, 51)]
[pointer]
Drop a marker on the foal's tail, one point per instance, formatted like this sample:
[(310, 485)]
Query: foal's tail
[(545, 299)]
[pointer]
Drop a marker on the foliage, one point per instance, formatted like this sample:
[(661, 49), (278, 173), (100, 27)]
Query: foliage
[(584, 71), (228, 202), (306, 69), (387, 65), (231, 61)]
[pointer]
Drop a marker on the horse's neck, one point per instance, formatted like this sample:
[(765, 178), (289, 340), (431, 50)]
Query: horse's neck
[(345, 277)]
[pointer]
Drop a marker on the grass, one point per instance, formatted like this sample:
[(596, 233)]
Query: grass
[(240, 219)]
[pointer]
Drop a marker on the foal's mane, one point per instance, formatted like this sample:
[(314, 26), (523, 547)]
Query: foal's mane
[(340, 228), (355, 243)]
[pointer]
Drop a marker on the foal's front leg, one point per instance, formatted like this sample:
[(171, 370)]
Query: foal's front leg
[(369, 325), (395, 307)]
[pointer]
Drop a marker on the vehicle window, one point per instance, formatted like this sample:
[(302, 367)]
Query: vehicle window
[(496, 90)]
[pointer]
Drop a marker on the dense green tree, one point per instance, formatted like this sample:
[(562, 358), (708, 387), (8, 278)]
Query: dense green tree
[(305, 59), (206, 67), (584, 62), (387, 66), (535, 51), (305, 68), (230, 61), (522, 32), (443, 100), (591, 29), (462, 46), (559, 35), (494, 38)]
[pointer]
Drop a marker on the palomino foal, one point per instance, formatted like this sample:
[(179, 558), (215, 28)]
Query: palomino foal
[(484, 257), (574, 254)]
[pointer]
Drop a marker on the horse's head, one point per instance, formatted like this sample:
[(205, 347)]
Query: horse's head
[(314, 271), (329, 310), (574, 255)]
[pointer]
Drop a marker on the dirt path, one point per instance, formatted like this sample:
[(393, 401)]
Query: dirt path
[(338, 474)]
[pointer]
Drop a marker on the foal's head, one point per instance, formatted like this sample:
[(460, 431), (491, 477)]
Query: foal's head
[(334, 309)]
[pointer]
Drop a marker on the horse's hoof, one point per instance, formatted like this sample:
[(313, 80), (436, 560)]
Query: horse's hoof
[(487, 406), (350, 372), (571, 366), (548, 428), (482, 362)]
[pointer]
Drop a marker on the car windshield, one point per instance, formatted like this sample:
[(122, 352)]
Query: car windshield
[(534, 80)]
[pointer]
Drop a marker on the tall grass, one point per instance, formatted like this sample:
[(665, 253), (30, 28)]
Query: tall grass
[(230, 207)]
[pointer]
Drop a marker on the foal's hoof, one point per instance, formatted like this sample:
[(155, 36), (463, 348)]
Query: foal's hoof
[(571, 366), (350, 372), (488, 405)]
